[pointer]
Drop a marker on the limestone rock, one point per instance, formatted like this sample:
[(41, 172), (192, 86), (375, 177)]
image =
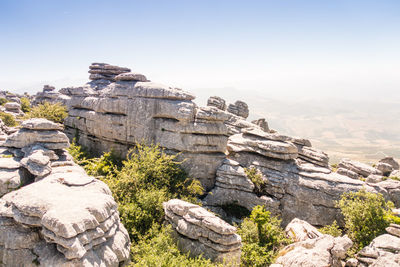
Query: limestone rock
[(137, 111), (262, 123), (240, 109), (348, 173), (218, 102), (320, 251), (395, 173), (40, 124), (383, 250), (385, 168), (373, 178), (358, 167), (299, 230), (13, 107), (131, 76), (200, 232), (391, 161)]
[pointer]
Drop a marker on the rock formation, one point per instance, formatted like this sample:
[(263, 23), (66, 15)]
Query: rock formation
[(297, 180), (13, 108), (52, 213), (216, 101), (49, 94), (200, 232), (240, 109), (313, 247), (383, 250), (116, 113)]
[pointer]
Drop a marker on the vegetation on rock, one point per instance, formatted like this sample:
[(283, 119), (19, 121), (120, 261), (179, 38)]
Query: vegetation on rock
[(262, 237), (53, 112), (25, 104), (3, 101), (8, 119), (366, 216), (331, 229), (256, 177)]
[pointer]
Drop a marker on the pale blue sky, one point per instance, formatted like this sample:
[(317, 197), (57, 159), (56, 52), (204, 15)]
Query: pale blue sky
[(279, 48)]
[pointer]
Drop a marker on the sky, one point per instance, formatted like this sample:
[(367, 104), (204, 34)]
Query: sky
[(286, 49)]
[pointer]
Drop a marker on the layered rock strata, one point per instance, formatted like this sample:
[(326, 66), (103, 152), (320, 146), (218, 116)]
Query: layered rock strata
[(239, 108), (296, 179), (49, 94), (200, 232), (53, 213), (383, 250), (116, 115), (313, 247)]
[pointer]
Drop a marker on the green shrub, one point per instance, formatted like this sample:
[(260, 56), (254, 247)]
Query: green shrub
[(8, 119), (146, 179), (3, 101), (25, 104), (384, 178), (332, 229), (262, 237), (256, 177), (53, 112), (366, 216), (161, 250), (334, 167)]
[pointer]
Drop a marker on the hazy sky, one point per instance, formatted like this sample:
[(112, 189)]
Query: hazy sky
[(279, 48)]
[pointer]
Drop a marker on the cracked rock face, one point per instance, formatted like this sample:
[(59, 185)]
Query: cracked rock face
[(383, 250), (52, 213), (49, 94), (240, 109), (296, 179), (361, 169), (312, 248), (136, 110), (200, 232)]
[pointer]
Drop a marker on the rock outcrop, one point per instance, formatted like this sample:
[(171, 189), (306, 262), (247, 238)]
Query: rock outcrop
[(296, 179), (312, 248), (13, 108), (361, 169), (383, 250), (240, 109), (49, 94), (52, 213), (200, 232), (142, 111), (216, 101)]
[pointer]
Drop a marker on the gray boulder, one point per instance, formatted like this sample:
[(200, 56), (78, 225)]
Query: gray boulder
[(218, 102), (391, 161), (385, 168), (200, 232), (240, 109), (361, 169)]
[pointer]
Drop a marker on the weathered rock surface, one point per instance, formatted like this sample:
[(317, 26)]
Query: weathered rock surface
[(13, 108), (385, 168), (314, 249), (52, 213), (383, 250), (391, 161), (49, 94), (297, 181), (240, 109), (200, 232), (361, 169), (142, 111), (218, 102), (262, 123)]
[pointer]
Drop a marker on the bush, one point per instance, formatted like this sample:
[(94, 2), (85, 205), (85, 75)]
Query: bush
[(262, 237), (8, 119), (366, 216), (161, 250), (53, 112), (25, 104), (3, 101), (332, 229), (256, 177), (146, 179)]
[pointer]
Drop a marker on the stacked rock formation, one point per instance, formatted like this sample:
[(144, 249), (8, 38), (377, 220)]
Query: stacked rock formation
[(240, 109), (13, 108), (356, 169), (135, 111), (383, 250), (103, 71), (218, 102), (49, 94), (54, 214), (312, 248), (200, 232), (297, 181)]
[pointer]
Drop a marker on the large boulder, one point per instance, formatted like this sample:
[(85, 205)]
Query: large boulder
[(391, 161), (199, 232), (361, 169)]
